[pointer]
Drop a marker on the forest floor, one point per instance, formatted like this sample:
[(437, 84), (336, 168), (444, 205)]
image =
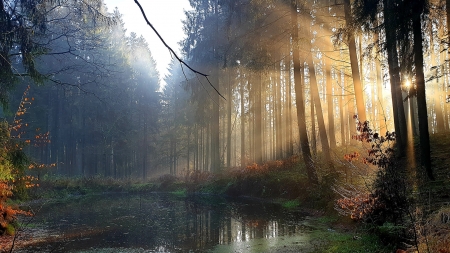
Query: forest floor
[(285, 183)]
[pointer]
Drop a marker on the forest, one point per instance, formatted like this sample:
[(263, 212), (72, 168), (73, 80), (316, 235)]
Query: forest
[(337, 107)]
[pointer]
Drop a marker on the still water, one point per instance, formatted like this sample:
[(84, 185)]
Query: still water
[(166, 223)]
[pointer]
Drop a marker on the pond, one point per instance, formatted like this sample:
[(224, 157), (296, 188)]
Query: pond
[(159, 222)]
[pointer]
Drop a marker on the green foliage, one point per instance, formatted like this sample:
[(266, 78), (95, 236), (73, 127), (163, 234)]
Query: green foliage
[(10, 229), (390, 233)]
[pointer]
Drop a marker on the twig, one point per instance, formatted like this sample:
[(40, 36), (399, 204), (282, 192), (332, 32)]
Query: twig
[(173, 52)]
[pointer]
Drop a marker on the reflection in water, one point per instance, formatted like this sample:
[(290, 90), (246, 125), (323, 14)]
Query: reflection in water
[(160, 222)]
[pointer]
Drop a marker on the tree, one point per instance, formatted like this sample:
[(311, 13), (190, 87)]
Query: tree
[(25, 25), (299, 97), (354, 64), (366, 15), (419, 9), (401, 19)]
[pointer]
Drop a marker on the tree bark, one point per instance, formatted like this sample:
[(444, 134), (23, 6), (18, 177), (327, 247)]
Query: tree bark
[(341, 109), (242, 83), (258, 120), (319, 112), (279, 129), (229, 149), (425, 156), (288, 117), (330, 103), (447, 9), (394, 73), (301, 119), (313, 143), (360, 105)]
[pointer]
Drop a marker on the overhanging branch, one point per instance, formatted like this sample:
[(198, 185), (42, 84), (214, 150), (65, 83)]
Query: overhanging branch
[(173, 52)]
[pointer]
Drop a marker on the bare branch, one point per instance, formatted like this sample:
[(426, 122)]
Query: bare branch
[(173, 52)]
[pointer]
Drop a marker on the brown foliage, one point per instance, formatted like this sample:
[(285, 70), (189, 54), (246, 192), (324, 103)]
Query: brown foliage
[(358, 207), (7, 213)]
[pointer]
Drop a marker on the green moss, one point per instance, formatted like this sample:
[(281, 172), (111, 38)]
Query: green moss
[(290, 204), (142, 187), (339, 242), (180, 193), (10, 230), (327, 219)]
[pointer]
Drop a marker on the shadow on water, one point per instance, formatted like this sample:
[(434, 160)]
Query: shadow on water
[(162, 223)]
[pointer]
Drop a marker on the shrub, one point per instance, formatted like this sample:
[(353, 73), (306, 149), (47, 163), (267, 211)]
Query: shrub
[(386, 200)]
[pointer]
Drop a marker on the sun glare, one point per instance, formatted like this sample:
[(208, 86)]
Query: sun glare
[(407, 83)]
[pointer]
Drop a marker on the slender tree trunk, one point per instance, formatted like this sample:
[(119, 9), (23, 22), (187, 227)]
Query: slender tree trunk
[(341, 110), (229, 149), (313, 143), (447, 9), (442, 88), (171, 156), (394, 73), (215, 133), (144, 150), (330, 104), (351, 130), (380, 102), (278, 116), (301, 119), (425, 153), (265, 83), (207, 145), (242, 83), (355, 69), (188, 155), (251, 127), (258, 120), (288, 117), (319, 112)]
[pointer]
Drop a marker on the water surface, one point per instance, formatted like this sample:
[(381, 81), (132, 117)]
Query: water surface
[(166, 223)]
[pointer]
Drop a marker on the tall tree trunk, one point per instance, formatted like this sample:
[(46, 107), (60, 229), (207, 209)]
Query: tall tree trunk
[(330, 104), (355, 69), (342, 110), (144, 149), (229, 149), (278, 116), (242, 83), (188, 153), (288, 105), (265, 83), (447, 9), (439, 127), (301, 119), (394, 73), (313, 143), (207, 145), (251, 120), (351, 130), (258, 119), (215, 133), (380, 102), (319, 112), (425, 156), (171, 156)]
